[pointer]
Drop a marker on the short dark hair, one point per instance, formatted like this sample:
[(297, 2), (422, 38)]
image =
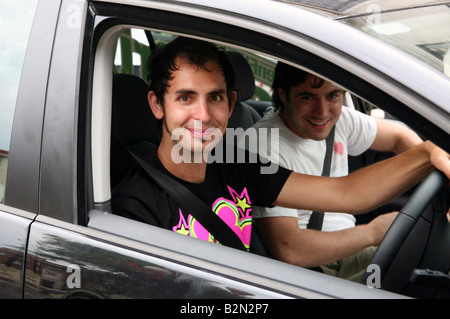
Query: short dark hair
[(287, 76), (161, 63)]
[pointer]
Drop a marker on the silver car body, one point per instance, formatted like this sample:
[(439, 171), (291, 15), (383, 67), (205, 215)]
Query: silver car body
[(57, 237)]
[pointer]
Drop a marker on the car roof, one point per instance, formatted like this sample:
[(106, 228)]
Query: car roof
[(353, 8)]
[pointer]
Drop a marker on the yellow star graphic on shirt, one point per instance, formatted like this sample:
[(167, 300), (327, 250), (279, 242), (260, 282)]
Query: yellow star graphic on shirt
[(182, 230), (242, 203)]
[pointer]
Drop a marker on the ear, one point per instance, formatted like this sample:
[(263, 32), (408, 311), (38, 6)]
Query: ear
[(232, 102), (282, 95), (157, 109)]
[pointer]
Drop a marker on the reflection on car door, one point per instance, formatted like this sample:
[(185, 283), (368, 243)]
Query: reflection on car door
[(71, 261), (13, 242)]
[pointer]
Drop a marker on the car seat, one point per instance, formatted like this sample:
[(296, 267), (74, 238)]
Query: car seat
[(133, 124), (243, 114)]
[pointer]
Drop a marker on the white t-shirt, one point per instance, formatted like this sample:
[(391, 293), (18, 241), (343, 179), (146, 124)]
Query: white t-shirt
[(354, 134)]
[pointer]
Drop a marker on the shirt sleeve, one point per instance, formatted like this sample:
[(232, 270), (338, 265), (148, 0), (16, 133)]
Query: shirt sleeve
[(132, 208), (361, 130), (277, 211), (137, 198), (267, 183)]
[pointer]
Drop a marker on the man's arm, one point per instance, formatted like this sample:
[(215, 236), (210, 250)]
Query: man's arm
[(312, 248), (394, 137), (367, 188)]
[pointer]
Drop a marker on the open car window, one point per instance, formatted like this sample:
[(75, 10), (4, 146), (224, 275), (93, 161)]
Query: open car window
[(123, 46), (131, 48)]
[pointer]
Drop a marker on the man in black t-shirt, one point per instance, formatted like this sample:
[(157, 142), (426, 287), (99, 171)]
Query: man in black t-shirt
[(191, 92), (231, 188)]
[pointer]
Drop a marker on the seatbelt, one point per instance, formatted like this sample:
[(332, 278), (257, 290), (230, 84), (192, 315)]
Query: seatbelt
[(316, 219), (192, 204)]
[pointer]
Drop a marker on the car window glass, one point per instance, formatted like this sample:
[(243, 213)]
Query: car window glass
[(16, 17), (421, 32)]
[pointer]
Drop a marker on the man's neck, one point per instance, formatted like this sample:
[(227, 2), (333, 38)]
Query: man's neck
[(192, 170)]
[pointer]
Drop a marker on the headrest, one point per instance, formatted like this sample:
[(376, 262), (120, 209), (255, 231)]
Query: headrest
[(245, 81), (132, 119)]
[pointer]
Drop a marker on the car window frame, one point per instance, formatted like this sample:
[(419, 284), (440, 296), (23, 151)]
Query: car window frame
[(21, 203), (107, 23), (15, 25), (111, 16), (22, 191), (154, 19), (107, 16)]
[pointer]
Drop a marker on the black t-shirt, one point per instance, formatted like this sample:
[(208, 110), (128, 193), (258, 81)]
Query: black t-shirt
[(230, 189)]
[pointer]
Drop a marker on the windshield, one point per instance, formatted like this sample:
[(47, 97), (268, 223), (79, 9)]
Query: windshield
[(423, 32)]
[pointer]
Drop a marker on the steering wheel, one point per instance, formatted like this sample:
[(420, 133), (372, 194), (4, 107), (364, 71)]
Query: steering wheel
[(406, 219)]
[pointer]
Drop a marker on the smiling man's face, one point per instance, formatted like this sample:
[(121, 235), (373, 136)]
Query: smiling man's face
[(195, 104), (310, 111)]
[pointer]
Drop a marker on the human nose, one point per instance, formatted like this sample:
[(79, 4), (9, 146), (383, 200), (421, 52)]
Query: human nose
[(202, 111), (321, 107)]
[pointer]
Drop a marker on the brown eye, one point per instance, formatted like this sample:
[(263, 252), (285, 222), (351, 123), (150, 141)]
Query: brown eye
[(184, 98), (216, 98)]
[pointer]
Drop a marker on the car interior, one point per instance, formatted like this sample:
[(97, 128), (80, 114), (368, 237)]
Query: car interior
[(73, 118), (133, 126)]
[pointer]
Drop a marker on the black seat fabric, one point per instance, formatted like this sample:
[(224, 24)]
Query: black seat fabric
[(243, 114), (132, 122)]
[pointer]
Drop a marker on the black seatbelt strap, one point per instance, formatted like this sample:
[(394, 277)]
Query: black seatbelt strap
[(192, 204), (316, 219)]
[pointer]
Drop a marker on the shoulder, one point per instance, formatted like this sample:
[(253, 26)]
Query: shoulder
[(349, 114), (272, 128), (357, 130), (270, 119), (352, 121), (137, 180)]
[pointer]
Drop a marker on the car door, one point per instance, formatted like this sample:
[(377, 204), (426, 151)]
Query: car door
[(59, 170), (60, 257), (18, 203)]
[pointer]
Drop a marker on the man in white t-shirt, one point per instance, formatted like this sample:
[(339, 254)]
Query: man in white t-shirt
[(305, 110)]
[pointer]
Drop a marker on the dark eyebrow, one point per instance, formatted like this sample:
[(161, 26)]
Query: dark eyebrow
[(217, 92), (306, 93), (185, 91), (336, 91), (189, 91)]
